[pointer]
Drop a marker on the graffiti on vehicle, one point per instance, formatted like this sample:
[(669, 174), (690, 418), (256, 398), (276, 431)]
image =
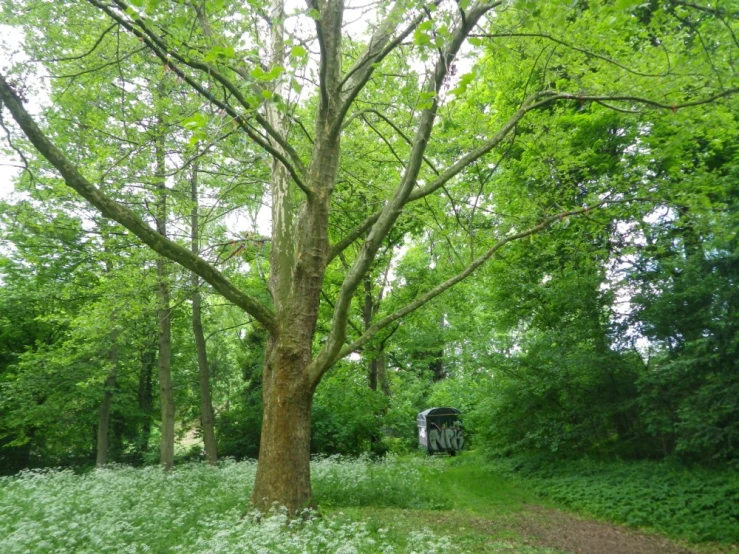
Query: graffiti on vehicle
[(445, 439)]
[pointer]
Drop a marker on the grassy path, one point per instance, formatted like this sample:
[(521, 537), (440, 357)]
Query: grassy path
[(490, 513)]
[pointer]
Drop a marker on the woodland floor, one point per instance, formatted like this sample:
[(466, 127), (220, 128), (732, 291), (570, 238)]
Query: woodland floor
[(490, 514), (403, 505)]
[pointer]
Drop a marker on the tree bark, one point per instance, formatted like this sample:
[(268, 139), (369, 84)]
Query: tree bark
[(283, 472), (164, 316), (145, 396), (103, 430), (104, 421), (206, 401)]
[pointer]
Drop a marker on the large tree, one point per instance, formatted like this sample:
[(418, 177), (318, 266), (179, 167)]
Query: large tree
[(273, 76)]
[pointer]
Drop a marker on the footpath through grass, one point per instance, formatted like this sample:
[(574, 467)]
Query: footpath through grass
[(399, 505)]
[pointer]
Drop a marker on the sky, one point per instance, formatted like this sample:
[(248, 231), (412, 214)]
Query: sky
[(10, 52)]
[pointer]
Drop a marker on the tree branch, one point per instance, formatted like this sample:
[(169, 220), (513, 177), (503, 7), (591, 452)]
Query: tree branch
[(390, 213), (439, 289), (379, 47), (168, 56), (571, 47), (534, 101), (127, 217)]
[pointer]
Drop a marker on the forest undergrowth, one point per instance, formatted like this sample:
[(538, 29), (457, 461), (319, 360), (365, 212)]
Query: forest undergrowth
[(397, 505)]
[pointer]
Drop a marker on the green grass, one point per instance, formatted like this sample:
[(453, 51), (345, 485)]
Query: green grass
[(475, 508)]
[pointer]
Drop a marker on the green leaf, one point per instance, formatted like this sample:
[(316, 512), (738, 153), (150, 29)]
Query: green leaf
[(464, 82), (195, 121), (426, 100), (261, 75)]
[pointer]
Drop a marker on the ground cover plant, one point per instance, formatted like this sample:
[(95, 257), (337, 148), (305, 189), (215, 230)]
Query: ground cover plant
[(396, 505), (198, 508), (697, 504)]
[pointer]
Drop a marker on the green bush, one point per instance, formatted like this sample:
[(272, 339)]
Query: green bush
[(347, 414)]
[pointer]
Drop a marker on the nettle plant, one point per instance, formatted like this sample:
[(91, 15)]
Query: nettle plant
[(361, 123)]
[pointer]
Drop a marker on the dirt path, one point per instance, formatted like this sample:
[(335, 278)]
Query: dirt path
[(555, 529)]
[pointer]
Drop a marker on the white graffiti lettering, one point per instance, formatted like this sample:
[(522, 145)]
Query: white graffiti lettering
[(450, 438)]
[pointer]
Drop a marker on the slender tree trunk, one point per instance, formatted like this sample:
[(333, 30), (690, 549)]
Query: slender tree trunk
[(103, 430), (437, 365), (145, 396), (164, 316), (378, 362), (206, 402), (381, 360), (367, 313)]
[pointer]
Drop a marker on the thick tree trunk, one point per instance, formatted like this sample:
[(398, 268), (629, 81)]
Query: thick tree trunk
[(103, 430), (164, 315), (283, 472), (206, 402)]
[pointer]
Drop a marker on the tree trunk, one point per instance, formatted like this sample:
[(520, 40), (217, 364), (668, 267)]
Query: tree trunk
[(206, 402), (164, 316), (145, 397), (368, 312), (437, 365), (381, 361), (104, 421), (166, 391), (283, 472)]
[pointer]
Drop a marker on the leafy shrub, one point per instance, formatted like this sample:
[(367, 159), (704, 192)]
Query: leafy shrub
[(347, 414)]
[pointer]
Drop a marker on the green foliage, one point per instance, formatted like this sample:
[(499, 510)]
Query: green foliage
[(695, 504), (347, 414)]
